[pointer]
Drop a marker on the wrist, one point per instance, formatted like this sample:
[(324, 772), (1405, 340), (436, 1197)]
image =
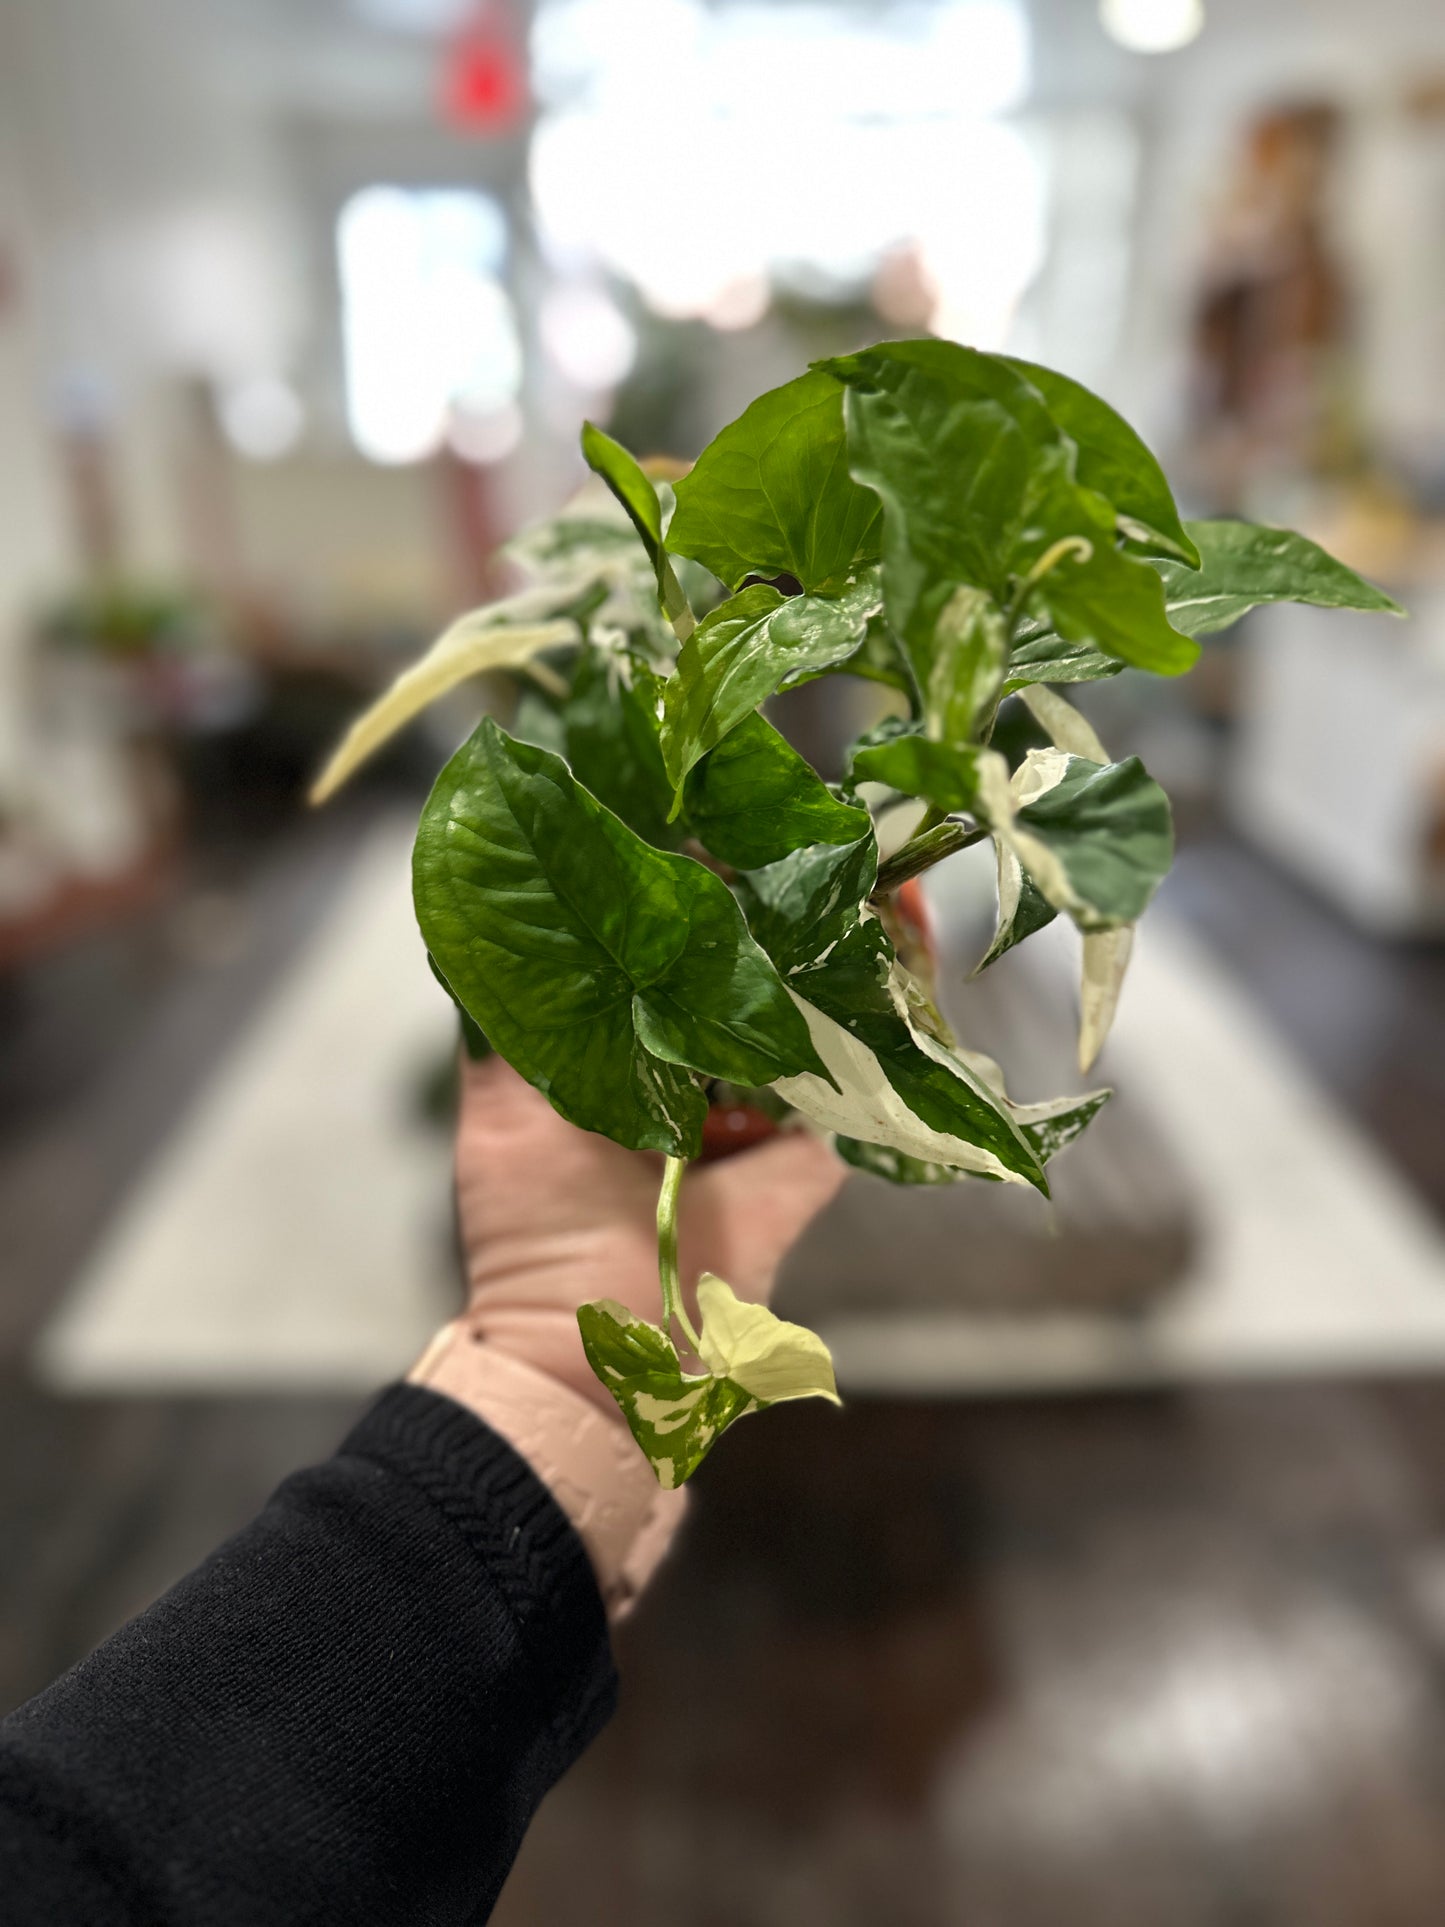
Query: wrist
[(583, 1453)]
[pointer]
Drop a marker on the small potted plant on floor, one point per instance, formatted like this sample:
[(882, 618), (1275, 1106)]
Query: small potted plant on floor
[(643, 896)]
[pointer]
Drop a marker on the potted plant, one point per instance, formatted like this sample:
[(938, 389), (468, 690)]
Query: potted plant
[(643, 894)]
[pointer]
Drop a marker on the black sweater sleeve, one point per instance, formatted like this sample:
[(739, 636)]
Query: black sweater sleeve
[(349, 1713)]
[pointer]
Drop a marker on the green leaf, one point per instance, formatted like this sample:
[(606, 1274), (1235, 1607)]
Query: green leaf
[(1096, 840), (1114, 461), (754, 799), (474, 1038), (622, 474), (506, 635), (800, 908), (674, 1416), (943, 774), (1048, 1126), (950, 441), (611, 728), (745, 651), (890, 1082), (1244, 564), (977, 488), (602, 969), (1044, 657), (771, 495), (751, 1346), (1096, 595)]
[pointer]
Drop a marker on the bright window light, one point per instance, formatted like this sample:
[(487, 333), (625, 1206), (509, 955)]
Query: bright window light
[(587, 336), (1152, 26), (426, 323), (896, 137)]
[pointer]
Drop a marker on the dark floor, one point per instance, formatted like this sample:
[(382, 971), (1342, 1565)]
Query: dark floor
[(1170, 1660)]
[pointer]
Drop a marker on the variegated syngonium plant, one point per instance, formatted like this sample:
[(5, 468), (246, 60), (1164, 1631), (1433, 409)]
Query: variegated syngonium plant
[(643, 889)]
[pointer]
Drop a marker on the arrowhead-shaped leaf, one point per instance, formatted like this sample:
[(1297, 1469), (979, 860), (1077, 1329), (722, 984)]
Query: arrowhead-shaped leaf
[(949, 441), (1244, 564), (602, 969), (754, 799), (977, 485), (771, 495), (676, 1417)]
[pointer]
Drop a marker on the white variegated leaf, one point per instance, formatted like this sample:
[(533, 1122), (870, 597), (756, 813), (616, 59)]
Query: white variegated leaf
[(1106, 958), (866, 1106), (675, 1416), (503, 636), (771, 1359), (1067, 728), (1048, 1125)]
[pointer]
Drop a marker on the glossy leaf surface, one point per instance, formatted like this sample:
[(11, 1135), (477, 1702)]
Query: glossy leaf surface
[(610, 727), (638, 495), (772, 495), (976, 482), (1096, 840), (602, 969), (941, 773), (754, 799), (744, 652)]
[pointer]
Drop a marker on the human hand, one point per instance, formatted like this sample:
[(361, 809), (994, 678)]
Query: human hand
[(552, 1217)]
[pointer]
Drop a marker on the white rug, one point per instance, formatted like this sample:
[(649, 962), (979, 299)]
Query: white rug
[(1314, 1257), (295, 1233)]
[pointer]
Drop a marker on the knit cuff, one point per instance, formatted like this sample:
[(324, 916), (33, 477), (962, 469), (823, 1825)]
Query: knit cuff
[(522, 1540)]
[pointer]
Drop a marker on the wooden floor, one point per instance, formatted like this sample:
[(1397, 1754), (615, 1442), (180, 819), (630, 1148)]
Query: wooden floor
[(1173, 1661)]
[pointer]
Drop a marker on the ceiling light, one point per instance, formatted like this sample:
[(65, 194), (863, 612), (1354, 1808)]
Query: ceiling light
[(1152, 26)]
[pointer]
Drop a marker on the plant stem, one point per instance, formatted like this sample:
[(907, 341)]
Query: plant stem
[(921, 852), (916, 703), (1078, 546), (667, 1201)]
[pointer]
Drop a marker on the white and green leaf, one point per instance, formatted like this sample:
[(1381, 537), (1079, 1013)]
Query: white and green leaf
[(754, 1359), (507, 635)]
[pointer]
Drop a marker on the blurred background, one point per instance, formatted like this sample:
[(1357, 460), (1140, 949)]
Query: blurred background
[(1117, 1592)]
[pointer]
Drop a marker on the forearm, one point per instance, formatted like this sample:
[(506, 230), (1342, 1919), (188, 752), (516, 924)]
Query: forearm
[(349, 1712)]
